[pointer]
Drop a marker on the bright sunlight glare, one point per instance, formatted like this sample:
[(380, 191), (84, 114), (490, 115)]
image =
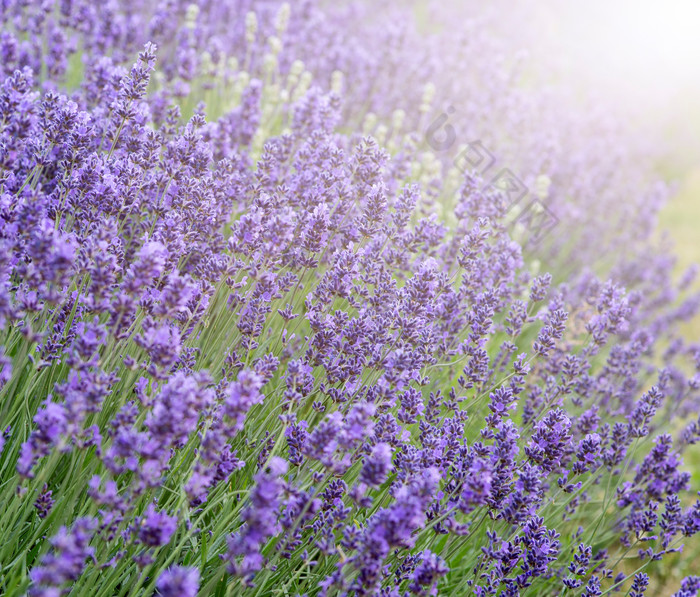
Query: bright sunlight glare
[(643, 51)]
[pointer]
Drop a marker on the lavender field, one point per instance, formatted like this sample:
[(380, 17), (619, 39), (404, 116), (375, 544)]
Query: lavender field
[(319, 299)]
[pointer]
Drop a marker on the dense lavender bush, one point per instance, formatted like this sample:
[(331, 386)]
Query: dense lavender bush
[(259, 337)]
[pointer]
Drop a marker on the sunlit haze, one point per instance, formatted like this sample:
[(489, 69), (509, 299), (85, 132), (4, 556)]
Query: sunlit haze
[(642, 56)]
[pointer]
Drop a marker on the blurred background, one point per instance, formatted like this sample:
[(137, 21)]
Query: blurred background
[(642, 57)]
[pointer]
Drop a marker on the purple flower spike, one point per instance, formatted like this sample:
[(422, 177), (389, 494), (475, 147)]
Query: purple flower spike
[(178, 581)]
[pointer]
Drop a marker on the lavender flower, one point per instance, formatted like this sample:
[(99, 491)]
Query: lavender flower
[(260, 520), (377, 466), (689, 587), (178, 581), (44, 502), (155, 528), (71, 549)]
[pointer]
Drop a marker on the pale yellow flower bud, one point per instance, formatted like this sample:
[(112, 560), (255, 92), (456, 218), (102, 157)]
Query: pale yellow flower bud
[(297, 68), (381, 133), (273, 94), (542, 184), (303, 85), (305, 80), (275, 45), (337, 81), (206, 62), (282, 18), (269, 63), (397, 119), (242, 80), (428, 93), (251, 27), (191, 15)]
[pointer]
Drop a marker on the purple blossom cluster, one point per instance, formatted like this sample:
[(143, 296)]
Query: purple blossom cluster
[(258, 339)]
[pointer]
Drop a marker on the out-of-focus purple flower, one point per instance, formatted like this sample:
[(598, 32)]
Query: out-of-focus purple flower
[(149, 265), (242, 395), (376, 466), (50, 424), (178, 581), (426, 575), (70, 549), (260, 520), (690, 586), (155, 528)]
